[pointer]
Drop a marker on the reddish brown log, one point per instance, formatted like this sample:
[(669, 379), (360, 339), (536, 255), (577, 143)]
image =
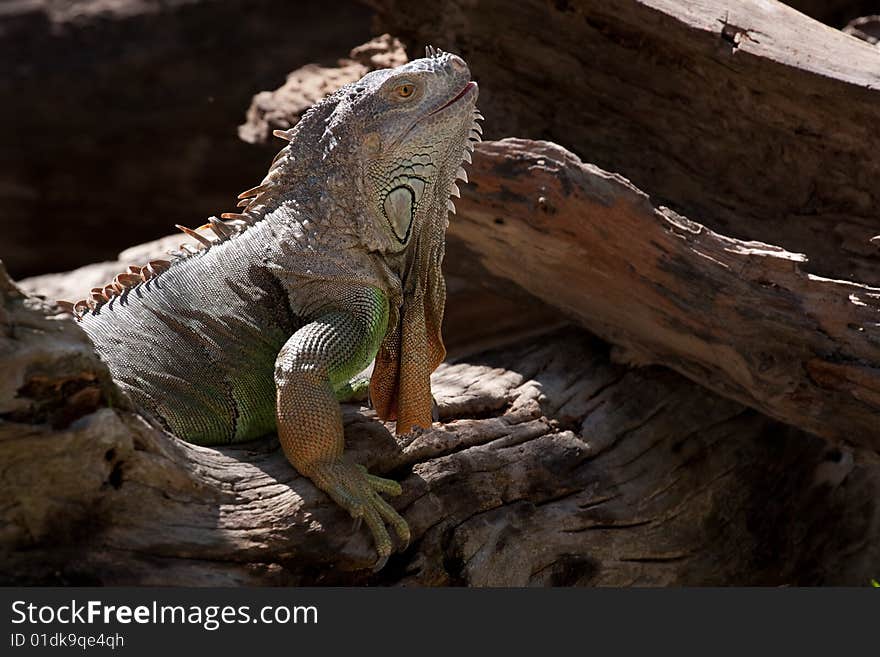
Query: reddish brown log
[(741, 318)]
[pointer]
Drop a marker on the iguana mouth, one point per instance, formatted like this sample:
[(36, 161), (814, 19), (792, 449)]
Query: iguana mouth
[(470, 85)]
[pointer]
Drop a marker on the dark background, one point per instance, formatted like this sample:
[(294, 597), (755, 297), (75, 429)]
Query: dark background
[(118, 124)]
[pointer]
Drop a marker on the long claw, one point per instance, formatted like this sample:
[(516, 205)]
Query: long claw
[(404, 541), (380, 563)]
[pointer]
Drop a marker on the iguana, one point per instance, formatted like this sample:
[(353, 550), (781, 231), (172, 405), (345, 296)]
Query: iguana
[(335, 260)]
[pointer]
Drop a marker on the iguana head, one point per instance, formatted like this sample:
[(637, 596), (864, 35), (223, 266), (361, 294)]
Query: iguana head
[(408, 129)]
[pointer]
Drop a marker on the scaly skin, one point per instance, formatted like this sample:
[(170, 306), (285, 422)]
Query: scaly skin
[(335, 261)]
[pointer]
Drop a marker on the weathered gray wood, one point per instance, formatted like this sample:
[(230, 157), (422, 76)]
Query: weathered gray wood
[(552, 466), (743, 317), (280, 108)]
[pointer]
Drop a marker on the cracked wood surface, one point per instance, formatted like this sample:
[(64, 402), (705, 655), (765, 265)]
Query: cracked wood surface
[(739, 317), (552, 465)]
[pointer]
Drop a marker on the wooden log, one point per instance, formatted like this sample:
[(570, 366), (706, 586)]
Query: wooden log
[(281, 108), (552, 466), (821, 356), (739, 317), (750, 115), (761, 329)]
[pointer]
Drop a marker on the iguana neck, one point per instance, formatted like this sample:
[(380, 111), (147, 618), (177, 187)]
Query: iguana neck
[(325, 202)]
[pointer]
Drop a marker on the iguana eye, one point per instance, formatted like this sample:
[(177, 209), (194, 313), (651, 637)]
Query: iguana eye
[(405, 90)]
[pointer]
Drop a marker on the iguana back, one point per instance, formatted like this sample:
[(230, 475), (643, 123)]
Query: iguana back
[(195, 348)]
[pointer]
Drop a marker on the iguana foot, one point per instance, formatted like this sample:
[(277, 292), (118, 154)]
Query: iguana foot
[(357, 491)]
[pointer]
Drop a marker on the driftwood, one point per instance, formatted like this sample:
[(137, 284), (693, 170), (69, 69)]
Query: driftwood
[(552, 466), (740, 318), (744, 317), (279, 109)]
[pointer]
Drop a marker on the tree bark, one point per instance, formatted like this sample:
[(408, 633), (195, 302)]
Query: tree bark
[(742, 317)]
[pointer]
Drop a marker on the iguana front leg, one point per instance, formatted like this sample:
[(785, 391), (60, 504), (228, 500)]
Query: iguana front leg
[(313, 365)]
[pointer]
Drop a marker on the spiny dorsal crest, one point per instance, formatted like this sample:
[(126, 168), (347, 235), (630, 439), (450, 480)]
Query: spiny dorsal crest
[(119, 285)]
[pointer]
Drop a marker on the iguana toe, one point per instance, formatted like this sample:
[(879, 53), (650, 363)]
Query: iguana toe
[(357, 491)]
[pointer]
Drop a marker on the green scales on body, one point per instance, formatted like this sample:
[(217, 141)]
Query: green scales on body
[(334, 261)]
